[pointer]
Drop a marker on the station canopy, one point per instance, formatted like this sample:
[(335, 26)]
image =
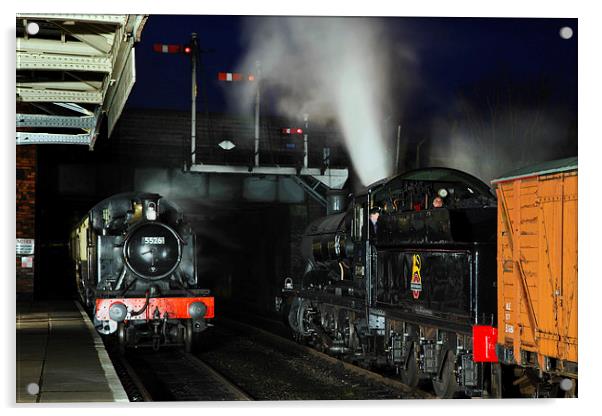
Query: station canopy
[(73, 70)]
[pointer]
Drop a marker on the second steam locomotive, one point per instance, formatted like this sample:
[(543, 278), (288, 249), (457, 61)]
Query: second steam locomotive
[(407, 278), (135, 260)]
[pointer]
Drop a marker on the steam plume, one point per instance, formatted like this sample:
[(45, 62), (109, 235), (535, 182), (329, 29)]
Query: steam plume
[(328, 68)]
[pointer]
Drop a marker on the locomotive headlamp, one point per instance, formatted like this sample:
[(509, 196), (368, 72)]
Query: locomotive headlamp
[(118, 312), (197, 310), (442, 192), (151, 212)]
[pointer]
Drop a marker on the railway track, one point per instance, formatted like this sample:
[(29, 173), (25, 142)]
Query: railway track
[(173, 375), (240, 361), (371, 385)]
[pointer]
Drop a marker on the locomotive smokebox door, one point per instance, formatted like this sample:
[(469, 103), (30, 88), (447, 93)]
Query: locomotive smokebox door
[(152, 251)]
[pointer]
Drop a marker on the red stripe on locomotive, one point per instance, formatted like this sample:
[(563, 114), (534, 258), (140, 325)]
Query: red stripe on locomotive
[(176, 308)]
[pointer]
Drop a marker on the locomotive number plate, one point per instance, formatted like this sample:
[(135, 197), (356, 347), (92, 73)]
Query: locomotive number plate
[(153, 240)]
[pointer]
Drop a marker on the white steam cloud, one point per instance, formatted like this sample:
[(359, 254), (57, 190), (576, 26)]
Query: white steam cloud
[(328, 68), (488, 149)]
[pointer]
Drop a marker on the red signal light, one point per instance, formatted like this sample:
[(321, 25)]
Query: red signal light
[(187, 49), (290, 131)]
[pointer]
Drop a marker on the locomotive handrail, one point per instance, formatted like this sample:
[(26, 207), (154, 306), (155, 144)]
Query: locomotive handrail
[(146, 302)]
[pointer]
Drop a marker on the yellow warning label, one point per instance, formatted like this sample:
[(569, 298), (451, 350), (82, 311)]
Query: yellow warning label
[(416, 280)]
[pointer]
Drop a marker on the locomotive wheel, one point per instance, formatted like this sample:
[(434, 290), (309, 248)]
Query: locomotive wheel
[(409, 376), (122, 337), (89, 298), (188, 336), (447, 385)]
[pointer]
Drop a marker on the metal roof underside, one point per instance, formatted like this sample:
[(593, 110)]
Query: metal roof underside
[(76, 70), (545, 168)]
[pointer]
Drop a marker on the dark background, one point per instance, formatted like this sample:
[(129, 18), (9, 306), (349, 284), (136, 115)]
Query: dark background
[(474, 72)]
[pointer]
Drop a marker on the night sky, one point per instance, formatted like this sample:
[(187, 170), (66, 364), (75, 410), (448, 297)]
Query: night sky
[(497, 86), (452, 53)]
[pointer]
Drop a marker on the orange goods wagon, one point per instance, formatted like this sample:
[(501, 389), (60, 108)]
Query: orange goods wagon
[(537, 267)]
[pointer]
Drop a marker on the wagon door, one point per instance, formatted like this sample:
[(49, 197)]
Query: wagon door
[(557, 197)]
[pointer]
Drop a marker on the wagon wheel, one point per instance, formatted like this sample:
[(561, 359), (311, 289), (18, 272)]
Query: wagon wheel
[(409, 375), (496, 381), (447, 385)]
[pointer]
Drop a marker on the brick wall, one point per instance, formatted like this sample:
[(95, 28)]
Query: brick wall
[(26, 198)]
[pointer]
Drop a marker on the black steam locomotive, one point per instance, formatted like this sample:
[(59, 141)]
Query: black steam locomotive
[(135, 266), (406, 278)]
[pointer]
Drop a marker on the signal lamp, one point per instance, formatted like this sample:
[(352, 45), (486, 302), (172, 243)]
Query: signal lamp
[(187, 49), (289, 131)]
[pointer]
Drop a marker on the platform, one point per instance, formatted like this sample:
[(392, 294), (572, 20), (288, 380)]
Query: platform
[(61, 358)]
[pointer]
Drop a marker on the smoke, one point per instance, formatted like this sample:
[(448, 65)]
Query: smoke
[(190, 194), (331, 69), (515, 137)]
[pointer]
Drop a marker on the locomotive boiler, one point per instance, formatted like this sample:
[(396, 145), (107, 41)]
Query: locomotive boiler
[(135, 270)]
